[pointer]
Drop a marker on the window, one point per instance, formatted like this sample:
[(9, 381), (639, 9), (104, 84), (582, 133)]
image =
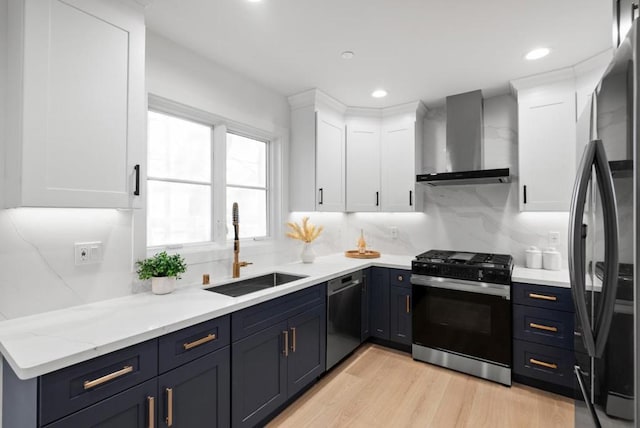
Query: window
[(186, 193), (247, 184), (179, 181)]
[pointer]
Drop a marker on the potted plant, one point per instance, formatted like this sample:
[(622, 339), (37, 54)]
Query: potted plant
[(163, 270)]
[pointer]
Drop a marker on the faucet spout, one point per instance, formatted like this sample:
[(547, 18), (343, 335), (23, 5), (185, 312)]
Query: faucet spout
[(237, 264)]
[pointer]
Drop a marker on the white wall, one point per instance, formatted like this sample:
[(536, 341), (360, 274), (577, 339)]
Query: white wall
[(472, 218)]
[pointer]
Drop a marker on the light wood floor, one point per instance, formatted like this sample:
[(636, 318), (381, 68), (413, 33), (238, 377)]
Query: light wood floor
[(381, 387)]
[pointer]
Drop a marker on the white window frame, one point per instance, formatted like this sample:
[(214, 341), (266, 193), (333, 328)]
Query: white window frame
[(267, 185), (275, 198)]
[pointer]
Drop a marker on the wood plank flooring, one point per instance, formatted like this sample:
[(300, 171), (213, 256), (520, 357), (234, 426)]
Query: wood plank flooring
[(381, 387)]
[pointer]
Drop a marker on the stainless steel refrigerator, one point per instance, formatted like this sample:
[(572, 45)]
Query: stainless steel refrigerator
[(603, 237)]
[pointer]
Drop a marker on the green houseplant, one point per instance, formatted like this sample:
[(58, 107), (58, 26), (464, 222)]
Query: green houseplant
[(163, 270)]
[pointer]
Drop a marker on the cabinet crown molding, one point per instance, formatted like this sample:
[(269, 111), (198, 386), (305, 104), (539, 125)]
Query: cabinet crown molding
[(541, 79), (314, 97)]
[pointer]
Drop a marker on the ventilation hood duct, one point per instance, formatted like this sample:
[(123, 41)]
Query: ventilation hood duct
[(465, 145)]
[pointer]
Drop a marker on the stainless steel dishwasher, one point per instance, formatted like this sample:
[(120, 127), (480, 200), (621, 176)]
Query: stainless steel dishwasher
[(344, 297)]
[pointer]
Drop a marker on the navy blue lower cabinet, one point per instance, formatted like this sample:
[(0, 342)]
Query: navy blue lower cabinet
[(400, 315), (196, 394), (546, 363), (366, 304), (379, 295), (307, 348), (259, 375), (134, 408)]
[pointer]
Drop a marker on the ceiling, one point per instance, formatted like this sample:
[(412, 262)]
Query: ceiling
[(415, 49)]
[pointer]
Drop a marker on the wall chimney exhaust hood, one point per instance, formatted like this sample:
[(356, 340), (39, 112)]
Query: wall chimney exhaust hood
[(465, 145)]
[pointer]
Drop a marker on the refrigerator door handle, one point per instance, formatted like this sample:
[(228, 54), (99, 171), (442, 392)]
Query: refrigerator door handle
[(577, 235), (610, 278)]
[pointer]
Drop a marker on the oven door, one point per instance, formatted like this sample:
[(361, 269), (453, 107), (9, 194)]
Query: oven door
[(468, 318)]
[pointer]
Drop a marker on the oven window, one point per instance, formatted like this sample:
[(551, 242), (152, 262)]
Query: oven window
[(459, 315)]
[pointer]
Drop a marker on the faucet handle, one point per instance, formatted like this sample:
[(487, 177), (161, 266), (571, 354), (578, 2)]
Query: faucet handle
[(243, 264)]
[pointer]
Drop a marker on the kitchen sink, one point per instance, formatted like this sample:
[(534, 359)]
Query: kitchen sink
[(250, 285)]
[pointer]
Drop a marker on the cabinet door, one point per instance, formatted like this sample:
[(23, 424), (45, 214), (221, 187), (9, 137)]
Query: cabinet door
[(379, 289), (133, 408), (196, 394), (398, 166), (307, 339), (82, 125), (259, 377), (363, 166), (400, 315), (547, 144), (366, 304), (330, 163)]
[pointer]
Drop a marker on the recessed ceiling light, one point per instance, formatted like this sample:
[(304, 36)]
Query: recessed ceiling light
[(347, 55), (254, 1), (379, 93), (537, 53)]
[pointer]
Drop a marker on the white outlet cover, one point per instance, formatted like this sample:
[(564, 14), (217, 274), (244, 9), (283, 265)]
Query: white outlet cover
[(87, 252)]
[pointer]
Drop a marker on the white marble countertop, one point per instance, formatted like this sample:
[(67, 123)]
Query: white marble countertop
[(42, 343), (554, 278)]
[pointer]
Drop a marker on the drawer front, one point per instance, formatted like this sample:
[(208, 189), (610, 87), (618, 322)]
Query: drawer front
[(545, 363), (544, 326), (542, 296), (255, 318), (400, 278), (73, 388), (186, 345)]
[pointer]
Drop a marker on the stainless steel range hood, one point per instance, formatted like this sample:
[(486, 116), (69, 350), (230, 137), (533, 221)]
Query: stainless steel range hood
[(465, 145)]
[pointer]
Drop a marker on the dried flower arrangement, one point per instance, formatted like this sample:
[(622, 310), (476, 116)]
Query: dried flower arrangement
[(306, 232)]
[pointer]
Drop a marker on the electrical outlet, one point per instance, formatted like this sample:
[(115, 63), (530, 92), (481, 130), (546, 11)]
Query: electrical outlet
[(87, 252), (394, 232), (554, 239)]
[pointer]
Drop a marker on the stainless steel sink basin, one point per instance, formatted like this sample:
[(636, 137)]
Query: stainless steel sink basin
[(250, 285)]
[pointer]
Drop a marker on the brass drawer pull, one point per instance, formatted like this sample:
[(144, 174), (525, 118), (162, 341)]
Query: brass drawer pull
[(408, 304), (151, 402), (286, 343), (543, 327), (169, 419), (293, 339), (88, 384), (543, 363), (543, 297), (207, 338)]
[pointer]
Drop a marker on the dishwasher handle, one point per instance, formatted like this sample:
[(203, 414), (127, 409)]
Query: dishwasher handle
[(344, 287)]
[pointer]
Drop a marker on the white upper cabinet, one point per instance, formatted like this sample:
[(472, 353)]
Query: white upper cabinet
[(374, 170), (363, 164), (401, 158), (547, 135), (317, 153), (77, 104), (330, 162)]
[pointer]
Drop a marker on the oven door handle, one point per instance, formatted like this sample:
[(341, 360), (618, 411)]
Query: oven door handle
[(499, 290)]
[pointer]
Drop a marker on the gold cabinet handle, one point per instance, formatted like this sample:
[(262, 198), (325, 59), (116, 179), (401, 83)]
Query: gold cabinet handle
[(408, 304), (543, 363), (169, 419), (286, 343), (88, 384), (543, 297), (207, 338), (293, 339), (151, 406), (543, 327)]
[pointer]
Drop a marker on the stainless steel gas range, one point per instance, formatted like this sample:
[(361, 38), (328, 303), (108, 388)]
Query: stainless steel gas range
[(462, 312)]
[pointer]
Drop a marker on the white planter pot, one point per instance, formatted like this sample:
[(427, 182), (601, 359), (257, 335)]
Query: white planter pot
[(307, 255), (163, 284)]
